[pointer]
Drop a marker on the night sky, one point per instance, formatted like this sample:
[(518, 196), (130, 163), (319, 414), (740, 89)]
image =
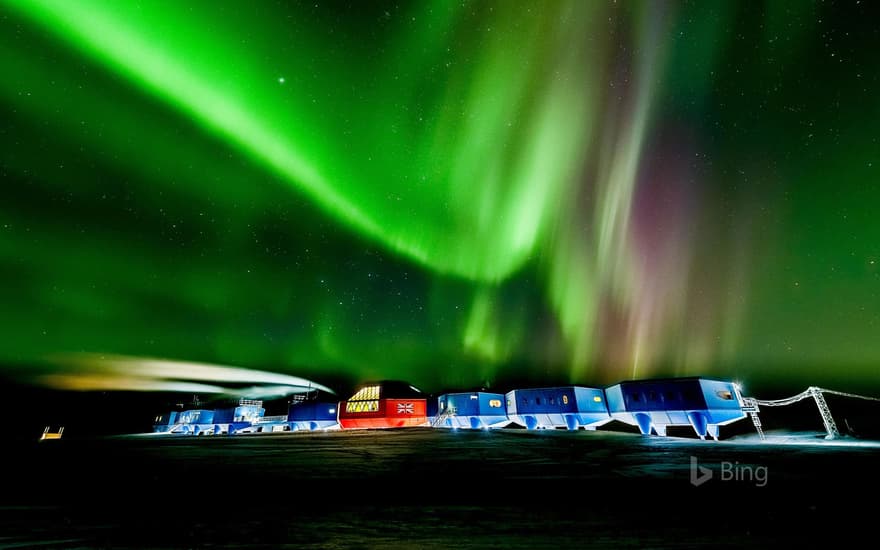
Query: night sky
[(453, 194)]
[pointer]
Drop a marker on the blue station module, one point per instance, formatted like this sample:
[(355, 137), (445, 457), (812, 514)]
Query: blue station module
[(472, 410), (652, 405), (569, 407), (312, 415)]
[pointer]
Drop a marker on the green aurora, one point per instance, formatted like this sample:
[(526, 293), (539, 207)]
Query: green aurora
[(454, 194)]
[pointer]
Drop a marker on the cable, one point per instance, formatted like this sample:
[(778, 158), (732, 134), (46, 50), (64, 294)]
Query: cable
[(809, 393), (845, 394)]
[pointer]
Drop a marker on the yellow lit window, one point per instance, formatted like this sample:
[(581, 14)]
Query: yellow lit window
[(361, 406), (565, 399), (495, 403), (597, 399)]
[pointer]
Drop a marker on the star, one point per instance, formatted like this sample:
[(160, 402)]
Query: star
[(280, 80)]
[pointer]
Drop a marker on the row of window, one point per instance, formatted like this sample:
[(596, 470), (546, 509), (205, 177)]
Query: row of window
[(686, 395), (550, 400), (361, 406), (494, 403), (653, 396)]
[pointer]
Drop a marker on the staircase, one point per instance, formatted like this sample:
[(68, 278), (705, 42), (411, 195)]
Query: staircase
[(750, 405), (440, 421)]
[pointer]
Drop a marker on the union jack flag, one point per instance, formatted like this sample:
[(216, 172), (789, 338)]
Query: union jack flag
[(405, 408)]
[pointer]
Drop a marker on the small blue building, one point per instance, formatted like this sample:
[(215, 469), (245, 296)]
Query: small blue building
[(164, 422), (312, 415), (652, 405), (563, 407), (472, 410)]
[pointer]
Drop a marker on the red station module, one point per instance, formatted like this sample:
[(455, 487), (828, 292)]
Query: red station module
[(384, 405)]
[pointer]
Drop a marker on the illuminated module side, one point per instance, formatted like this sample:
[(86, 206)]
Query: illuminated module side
[(384, 405), (562, 407), (473, 410), (652, 405)]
